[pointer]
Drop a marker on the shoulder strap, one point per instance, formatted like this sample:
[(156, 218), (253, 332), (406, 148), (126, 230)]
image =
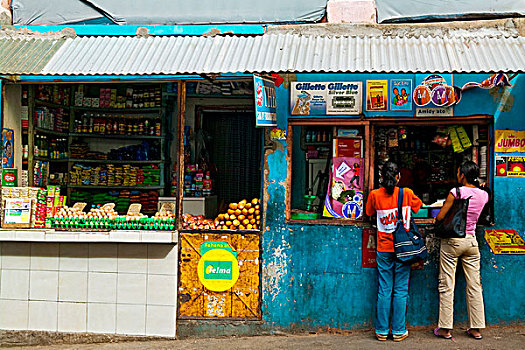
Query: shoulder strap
[(458, 193), (400, 204)]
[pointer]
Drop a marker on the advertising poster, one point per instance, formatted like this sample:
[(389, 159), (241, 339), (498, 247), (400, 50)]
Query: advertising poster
[(504, 241), (376, 95), (510, 166), (218, 268), (509, 141), (17, 211), (335, 98), (265, 103), (437, 94), (8, 157), (344, 198), (369, 247), (400, 95)]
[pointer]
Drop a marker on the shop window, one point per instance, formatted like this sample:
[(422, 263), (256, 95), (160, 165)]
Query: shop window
[(328, 172), (332, 167), (428, 156), (222, 173)]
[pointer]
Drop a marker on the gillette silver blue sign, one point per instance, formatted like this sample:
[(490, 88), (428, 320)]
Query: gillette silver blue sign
[(320, 98)]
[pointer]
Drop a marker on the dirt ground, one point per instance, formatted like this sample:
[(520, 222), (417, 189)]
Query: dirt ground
[(494, 338)]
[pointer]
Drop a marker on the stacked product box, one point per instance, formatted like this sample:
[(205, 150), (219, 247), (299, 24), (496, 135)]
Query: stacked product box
[(38, 202), (54, 201)]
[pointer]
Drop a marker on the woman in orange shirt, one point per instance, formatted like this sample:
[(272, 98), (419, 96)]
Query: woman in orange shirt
[(393, 275)]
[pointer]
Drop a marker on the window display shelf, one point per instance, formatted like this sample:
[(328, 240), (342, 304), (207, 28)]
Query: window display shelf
[(120, 236)]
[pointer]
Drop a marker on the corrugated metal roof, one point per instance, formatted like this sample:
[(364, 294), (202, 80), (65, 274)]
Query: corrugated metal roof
[(287, 53), (26, 55)]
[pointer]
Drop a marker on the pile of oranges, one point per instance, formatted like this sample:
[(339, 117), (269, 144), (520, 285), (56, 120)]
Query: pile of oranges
[(240, 216)]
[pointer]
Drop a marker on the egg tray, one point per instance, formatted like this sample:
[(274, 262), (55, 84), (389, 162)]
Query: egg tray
[(78, 229)]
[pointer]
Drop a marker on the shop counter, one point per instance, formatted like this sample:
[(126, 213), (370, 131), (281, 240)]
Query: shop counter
[(117, 282), (113, 236)]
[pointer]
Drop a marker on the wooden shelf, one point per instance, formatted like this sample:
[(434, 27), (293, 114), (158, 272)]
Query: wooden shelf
[(50, 104), (118, 187), (110, 161), (50, 132), (51, 160), (111, 136), (117, 110)]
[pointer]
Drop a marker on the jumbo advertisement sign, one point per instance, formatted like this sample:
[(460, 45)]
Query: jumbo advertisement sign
[(509, 141)]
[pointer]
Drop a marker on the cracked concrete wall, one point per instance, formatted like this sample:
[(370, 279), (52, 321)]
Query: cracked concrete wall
[(351, 11), (6, 16)]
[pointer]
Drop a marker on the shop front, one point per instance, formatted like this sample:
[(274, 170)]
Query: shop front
[(193, 197), (319, 246), (90, 222)]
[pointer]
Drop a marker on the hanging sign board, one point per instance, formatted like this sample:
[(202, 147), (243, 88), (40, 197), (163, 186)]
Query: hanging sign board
[(509, 141), (265, 103), (504, 241), (335, 98)]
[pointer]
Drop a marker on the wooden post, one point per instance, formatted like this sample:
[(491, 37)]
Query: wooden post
[(288, 188), (181, 106)]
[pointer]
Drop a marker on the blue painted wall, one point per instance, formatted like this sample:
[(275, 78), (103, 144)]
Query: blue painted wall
[(312, 274)]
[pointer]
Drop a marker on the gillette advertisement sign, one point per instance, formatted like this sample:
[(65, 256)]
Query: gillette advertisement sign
[(334, 98)]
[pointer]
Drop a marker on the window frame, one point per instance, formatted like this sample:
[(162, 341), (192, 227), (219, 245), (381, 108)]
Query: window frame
[(369, 125)]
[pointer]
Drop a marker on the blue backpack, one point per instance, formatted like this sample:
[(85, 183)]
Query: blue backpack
[(408, 245)]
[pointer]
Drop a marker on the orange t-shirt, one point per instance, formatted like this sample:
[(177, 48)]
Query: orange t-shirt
[(386, 207)]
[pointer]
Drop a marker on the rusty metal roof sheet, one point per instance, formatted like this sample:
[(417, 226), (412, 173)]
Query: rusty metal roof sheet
[(25, 55), (460, 53)]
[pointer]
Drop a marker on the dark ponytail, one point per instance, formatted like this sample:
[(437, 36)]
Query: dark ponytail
[(389, 172), (471, 172)]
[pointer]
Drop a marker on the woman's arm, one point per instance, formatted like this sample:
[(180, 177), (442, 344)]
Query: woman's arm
[(446, 207)]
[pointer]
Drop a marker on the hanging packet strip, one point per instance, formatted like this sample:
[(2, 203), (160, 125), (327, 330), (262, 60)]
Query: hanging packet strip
[(456, 144), (459, 137), (463, 137)]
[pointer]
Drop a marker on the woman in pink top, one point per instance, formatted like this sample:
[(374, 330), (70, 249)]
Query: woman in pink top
[(466, 250)]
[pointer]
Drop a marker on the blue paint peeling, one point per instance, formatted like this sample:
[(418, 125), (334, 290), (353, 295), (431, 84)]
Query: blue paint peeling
[(321, 282)]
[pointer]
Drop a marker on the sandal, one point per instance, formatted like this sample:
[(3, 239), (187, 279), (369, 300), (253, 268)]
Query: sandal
[(381, 337), (440, 335), (469, 333)]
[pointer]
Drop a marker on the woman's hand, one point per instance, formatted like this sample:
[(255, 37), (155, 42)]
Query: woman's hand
[(446, 207)]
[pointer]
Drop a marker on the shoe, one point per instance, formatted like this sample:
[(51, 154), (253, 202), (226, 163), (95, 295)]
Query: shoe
[(381, 337), (400, 337), (441, 336), (469, 333)]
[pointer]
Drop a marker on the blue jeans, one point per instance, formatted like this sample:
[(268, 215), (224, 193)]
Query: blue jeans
[(392, 293)]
